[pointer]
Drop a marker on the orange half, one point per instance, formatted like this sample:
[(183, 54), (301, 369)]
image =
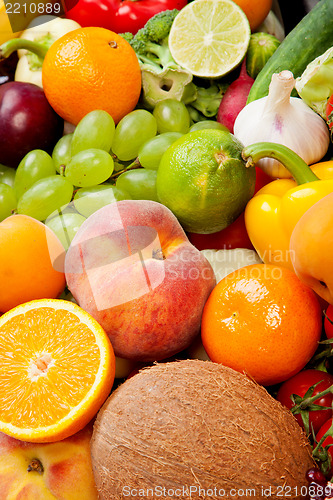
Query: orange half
[(57, 367)]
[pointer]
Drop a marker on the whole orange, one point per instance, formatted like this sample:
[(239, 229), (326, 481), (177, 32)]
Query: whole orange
[(29, 268), (255, 10), (263, 321), (91, 68)]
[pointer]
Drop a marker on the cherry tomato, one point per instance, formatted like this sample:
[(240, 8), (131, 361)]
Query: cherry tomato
[(299, 384), (328, 440), (329, 112), (328, 322), (120, 16)]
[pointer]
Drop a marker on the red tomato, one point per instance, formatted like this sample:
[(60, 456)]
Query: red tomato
[(261, 179), (328, 440), (329, 112), (299, 384), (120, 16), (327, 324), (233, 236)]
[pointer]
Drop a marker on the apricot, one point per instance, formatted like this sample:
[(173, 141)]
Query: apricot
[(311, 246), (31, 262)]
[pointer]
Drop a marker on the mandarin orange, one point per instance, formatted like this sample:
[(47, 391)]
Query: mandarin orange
[(263, 321), (256, 11), (91, 68)]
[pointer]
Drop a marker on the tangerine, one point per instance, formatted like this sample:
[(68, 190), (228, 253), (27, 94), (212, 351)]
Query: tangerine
[(28, 252), (263, 321), (256, 11), (91, 68)]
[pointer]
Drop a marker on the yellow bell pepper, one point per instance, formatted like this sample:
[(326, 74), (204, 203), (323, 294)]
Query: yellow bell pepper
[(271, 215)]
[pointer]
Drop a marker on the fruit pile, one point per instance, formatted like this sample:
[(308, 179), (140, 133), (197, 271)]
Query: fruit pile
[(166, 200)]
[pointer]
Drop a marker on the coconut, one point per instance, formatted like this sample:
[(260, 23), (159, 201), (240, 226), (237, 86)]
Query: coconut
[(197, 429)]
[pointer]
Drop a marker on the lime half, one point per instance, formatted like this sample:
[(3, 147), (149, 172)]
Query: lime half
[(209, 38)]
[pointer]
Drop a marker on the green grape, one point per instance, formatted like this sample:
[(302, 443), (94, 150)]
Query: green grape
[(62, 151), (65, 226), (34, 166), (88, 200), (151, 152), (45, 196), (172, 116), (89, 168), (139, 183), (8, 201), (131, 132), (7, 175), (95, 130), (208, 124)]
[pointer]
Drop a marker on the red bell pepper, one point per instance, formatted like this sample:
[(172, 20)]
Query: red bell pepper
[(120, 16)]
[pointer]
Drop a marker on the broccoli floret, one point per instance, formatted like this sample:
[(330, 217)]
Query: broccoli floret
[(207, 101), (151, 42), (158, 27), (128, 36)]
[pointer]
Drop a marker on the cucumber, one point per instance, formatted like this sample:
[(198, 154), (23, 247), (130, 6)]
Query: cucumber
[(310, 38)]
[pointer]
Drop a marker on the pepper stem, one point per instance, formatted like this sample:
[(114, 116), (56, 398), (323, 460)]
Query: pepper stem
[(7, 48), (300, 171)]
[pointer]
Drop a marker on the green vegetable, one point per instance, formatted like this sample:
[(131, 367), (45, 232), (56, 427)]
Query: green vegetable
[(151, 42), (162, 77), (207, 102), (312, 36), (315, 85), (261, 47), (170, 83), (128, 36)]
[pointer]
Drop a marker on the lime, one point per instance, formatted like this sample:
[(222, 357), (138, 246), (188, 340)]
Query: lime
[(209, 38), (203, 180)]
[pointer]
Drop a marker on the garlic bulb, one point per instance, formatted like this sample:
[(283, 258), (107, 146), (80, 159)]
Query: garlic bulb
[(285, 120)]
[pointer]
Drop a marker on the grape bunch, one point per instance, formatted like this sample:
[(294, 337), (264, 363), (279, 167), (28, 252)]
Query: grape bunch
[(99, 163)]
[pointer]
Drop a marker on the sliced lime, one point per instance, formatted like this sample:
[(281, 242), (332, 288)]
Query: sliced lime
[(209, 38)]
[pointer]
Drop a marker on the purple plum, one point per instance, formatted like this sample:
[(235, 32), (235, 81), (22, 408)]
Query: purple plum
[(27, 121)]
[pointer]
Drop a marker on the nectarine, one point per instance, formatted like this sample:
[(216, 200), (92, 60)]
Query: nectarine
[(132, 267), (60, 470)]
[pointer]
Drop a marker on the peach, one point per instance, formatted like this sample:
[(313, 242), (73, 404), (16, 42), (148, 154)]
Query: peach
[(132, 267), (60, 470), (311, 247)]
